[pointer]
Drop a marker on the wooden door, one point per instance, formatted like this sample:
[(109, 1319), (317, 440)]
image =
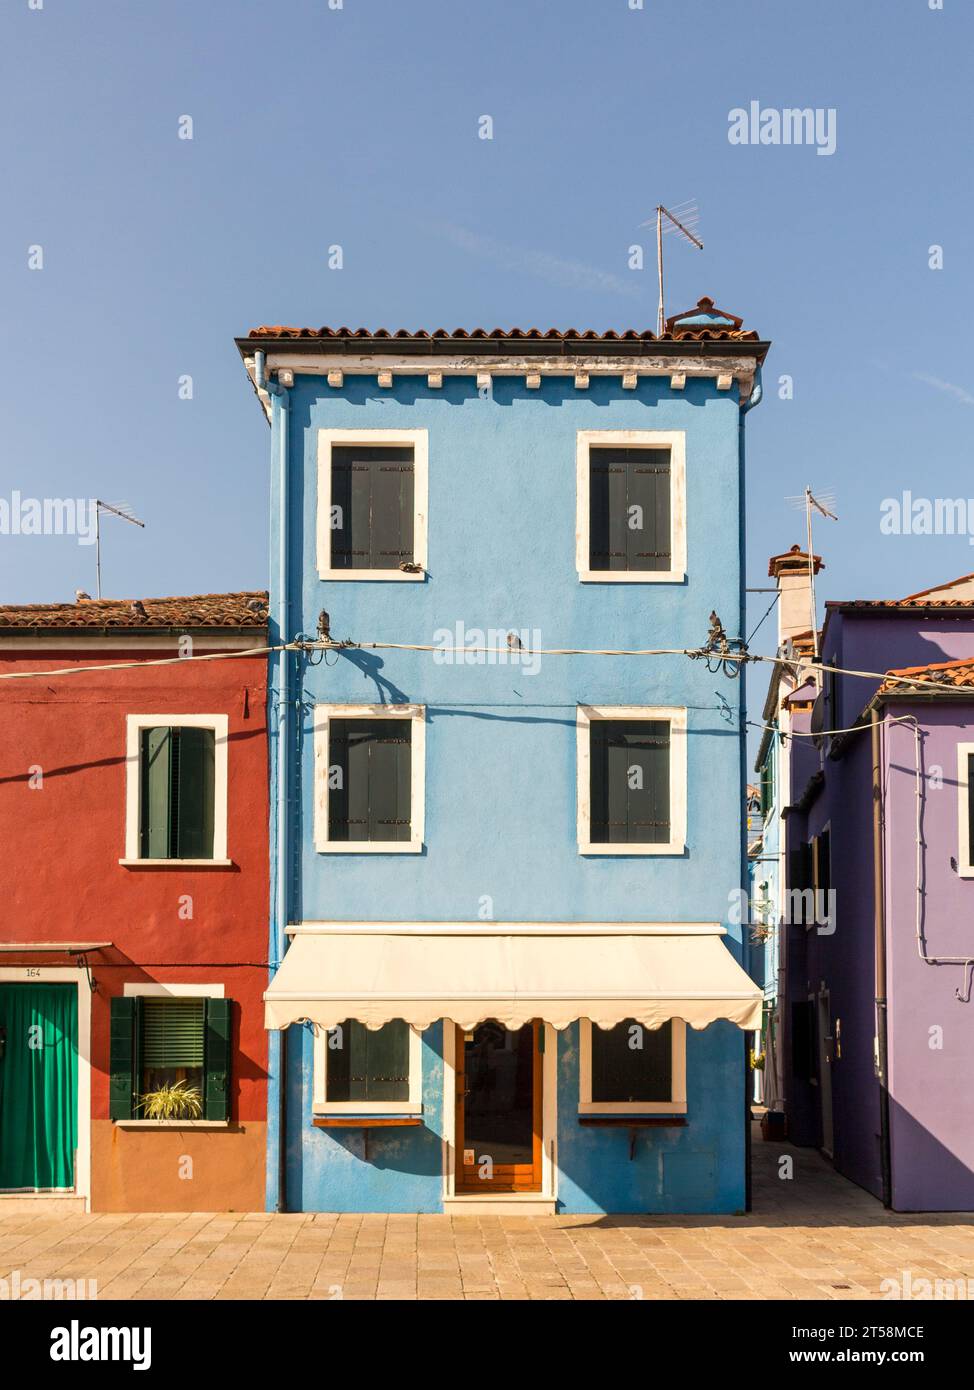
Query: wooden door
[(498, 1108)]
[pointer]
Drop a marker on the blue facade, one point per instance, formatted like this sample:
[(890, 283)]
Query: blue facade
[(500, 839)]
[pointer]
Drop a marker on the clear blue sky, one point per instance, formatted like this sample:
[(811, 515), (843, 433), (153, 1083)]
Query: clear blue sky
[(358, 126)]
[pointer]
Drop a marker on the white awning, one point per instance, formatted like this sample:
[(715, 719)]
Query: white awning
[(513, 973)]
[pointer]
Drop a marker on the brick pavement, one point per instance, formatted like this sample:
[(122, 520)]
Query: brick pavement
[(815, 1236)]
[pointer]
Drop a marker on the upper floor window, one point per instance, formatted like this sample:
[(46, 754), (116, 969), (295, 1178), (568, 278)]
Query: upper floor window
[(631, 490), (372, 491), (631, 779), (369, 778), (176, 794), (965, 810)]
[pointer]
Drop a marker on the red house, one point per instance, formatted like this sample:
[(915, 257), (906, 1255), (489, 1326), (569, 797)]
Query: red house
[(133, 941)]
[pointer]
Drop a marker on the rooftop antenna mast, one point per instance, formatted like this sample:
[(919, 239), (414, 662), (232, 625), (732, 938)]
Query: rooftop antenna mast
[(123, 510), (822, 503), (681, 222)]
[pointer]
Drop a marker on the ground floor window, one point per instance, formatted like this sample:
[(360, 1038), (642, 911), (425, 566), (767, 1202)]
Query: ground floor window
[(632, 1069), (368, 1070), (170, 1056)]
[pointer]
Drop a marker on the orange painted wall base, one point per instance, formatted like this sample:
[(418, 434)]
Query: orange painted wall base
[(178, 1169)]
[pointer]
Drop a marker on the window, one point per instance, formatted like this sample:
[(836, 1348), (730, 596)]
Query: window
[(632, 1069), (631, 500), (631, 780), (803, 1040), (369, 777), (767, 784), (169, 1035), (372, 497), (965, 810), (368, 1071), (176, 796)]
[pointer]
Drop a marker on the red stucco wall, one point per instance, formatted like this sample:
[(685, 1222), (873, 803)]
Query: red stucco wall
[(62, 881)]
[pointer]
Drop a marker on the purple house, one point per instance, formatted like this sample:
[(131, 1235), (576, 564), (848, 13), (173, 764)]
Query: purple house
[(877, 933)]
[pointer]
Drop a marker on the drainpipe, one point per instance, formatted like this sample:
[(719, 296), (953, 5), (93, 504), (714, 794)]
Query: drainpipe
[(280, 862), (754, 399), (879, 920)]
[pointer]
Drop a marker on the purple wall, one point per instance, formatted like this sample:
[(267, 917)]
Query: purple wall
[(931, 1099), (931, 1048)]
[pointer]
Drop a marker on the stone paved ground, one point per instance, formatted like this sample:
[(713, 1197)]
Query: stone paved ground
[(815, 1236)]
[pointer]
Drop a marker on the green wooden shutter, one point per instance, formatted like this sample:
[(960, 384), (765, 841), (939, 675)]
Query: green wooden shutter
[(648, 487), (374, 488), (357, 737), (155, 757), (216, 1083), (607, 510), (194, 797), (375, 760), (624, 752), (124, 1065), (370, 1065)]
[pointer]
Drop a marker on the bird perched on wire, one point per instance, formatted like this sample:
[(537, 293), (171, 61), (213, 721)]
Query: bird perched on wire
[(514, 642), (716, 637)]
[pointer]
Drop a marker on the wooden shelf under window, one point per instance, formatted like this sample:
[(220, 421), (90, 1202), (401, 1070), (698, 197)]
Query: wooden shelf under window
[(365, 1121)]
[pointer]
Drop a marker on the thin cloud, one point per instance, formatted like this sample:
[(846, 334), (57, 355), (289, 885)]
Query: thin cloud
[(556, 270), (957, 392)]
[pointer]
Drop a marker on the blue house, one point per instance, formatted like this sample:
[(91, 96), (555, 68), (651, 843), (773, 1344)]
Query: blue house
[(505, 971)]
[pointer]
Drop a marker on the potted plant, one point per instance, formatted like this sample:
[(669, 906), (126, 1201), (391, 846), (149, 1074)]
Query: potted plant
[(174, 1101)]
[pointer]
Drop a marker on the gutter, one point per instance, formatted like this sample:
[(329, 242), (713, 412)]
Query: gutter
[(506, 347), (277, 945), (757, 391), (879, 928)]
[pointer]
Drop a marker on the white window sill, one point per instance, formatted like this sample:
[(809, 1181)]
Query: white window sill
[(631, 576), (366, 1109), (176, 863), (395, 576), (369, 847), (638, 850), (171, 1124)]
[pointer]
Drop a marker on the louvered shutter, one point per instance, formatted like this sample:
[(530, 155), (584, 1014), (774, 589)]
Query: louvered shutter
[(373, 489), (123, 1057), (155, 789), (216, 1076), (193, 801)]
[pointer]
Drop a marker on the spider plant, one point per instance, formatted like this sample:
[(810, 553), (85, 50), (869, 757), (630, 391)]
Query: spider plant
[(175, 1101)]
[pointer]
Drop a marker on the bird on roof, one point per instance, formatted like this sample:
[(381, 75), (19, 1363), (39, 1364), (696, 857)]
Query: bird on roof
[(138, 608), (80, 594)]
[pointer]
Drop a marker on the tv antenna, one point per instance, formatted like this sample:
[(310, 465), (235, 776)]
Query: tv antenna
[(686, 217), (122, 509), (822, 502)]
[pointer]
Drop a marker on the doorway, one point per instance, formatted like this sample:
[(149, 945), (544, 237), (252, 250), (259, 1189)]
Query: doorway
[(38, 1087), (499, 1108), (825, 1054)]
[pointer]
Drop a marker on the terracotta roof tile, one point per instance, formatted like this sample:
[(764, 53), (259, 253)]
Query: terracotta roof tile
[(703, 323), (959, 674), (247, 610)]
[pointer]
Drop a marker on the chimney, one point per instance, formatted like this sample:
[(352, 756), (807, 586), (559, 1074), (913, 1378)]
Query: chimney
[(791, 573)]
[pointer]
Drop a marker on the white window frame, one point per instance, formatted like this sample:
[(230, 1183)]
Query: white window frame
[(965, 868), (324, 714), (418, 441), (322, 1106), (675, 441), (676, 1105), (135, 723), (169, 990), (677, 717)]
